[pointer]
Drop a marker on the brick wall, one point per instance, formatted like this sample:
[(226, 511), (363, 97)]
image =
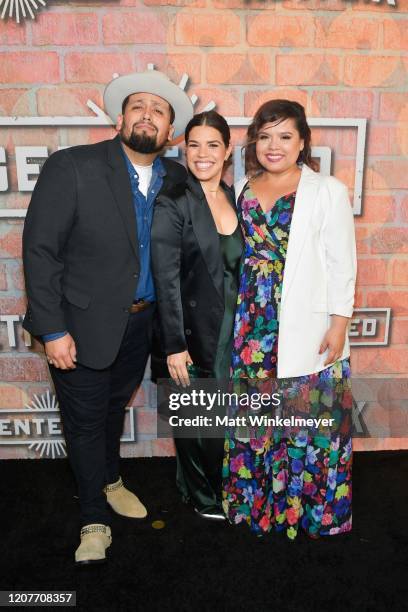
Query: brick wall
[(340, 58)]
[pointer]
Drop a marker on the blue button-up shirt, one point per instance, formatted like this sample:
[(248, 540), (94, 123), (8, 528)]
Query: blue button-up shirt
[(144, 217)]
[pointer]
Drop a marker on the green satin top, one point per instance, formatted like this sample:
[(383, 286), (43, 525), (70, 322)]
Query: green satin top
[(231, 248)]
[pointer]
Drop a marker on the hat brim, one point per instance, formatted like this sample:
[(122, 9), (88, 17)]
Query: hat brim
[(153, 82)]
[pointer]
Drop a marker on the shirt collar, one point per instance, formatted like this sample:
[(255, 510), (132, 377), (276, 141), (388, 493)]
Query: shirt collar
[(157, 167)]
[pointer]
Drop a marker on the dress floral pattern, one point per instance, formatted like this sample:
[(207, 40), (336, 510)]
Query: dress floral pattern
[(277, 478)]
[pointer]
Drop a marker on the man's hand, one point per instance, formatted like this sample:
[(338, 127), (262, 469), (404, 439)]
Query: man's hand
[(177, 364), (334, 339), (61, 353)]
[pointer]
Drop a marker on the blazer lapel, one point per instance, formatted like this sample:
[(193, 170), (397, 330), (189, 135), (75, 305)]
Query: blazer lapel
[(119, 182), (306, 195), (206, 233)]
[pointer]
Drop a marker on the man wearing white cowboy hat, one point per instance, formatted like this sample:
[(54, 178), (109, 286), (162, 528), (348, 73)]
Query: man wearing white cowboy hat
[(86, 250)]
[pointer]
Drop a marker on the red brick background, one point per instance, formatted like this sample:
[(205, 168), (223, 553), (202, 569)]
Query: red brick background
[(338, 58)]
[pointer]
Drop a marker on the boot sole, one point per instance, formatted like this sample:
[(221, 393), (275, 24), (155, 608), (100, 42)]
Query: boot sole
[(88, 562), (132, 518)]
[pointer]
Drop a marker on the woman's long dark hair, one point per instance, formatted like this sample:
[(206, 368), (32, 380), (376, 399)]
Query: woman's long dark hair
[(276, 111), (212, 119)]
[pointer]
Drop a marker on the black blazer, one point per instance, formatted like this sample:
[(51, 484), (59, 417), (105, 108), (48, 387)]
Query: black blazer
[(80, 248), (189, 275)]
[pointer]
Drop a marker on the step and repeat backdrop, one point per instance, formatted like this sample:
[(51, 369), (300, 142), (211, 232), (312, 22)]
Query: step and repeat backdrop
[(344, 60)]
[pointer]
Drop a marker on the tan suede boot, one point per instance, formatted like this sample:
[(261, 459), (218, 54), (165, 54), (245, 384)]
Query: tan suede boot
[(123, 501), (95, 539)]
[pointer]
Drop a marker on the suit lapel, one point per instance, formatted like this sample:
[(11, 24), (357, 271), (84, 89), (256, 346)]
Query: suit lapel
[(206, 233), (306, 195), (119, 182)]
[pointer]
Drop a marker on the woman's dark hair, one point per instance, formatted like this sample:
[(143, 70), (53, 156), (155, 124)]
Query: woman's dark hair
[(276, 111), (212, 119)]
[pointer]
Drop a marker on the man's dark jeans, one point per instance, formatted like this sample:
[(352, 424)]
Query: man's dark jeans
[(92, 405)]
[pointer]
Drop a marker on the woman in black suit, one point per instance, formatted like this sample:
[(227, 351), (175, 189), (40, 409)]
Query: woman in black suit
[(196, 250)]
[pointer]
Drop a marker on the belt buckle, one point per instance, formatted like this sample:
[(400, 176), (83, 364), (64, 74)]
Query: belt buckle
[(138, 306)]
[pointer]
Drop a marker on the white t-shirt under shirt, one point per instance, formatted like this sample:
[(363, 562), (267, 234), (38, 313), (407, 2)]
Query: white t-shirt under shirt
[(145, 176)]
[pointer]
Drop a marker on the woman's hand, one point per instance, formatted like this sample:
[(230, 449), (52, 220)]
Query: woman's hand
[(334, 339), (177, 365)]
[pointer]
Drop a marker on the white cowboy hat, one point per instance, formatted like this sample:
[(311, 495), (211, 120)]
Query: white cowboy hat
[(154, 82)]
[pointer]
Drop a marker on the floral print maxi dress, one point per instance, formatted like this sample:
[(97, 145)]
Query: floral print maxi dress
[(279, 479)]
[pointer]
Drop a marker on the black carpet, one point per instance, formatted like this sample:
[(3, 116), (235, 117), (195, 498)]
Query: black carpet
[(192, 564)]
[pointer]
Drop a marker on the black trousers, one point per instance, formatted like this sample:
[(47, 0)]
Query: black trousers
[(92, 405)]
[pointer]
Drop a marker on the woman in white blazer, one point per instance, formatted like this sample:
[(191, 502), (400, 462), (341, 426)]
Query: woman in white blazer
[(295, 302)]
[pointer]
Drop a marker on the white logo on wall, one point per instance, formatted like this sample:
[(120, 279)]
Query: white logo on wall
[(38, 426), (30, 158), (16, 9), (368, 327)]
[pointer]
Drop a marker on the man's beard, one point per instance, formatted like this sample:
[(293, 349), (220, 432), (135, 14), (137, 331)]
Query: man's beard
[(141, 143)]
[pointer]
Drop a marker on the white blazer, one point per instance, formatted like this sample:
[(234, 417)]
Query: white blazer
[(320, 272)]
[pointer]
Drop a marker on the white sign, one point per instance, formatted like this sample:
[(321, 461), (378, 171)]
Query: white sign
[(38, 426), (28, 158), (368, 327), (24, 8)]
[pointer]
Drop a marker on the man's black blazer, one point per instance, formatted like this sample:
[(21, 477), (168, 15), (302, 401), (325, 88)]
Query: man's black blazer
[(80, 248)]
